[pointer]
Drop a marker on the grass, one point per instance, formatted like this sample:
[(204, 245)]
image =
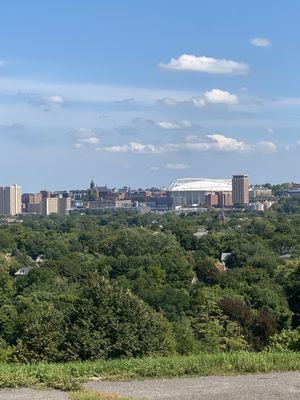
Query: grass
[(70, 376), (90, 395)]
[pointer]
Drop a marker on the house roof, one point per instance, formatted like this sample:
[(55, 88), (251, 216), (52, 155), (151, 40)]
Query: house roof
[(220, 267), (24, 270), (224, 256)]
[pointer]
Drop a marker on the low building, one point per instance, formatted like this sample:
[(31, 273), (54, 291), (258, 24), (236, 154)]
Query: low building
[(163, 203), (211, 200), (261, 205), (100, 204), (219, 200), (259, 192)]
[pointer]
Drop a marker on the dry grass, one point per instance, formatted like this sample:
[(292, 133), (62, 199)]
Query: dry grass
[(91, 395)]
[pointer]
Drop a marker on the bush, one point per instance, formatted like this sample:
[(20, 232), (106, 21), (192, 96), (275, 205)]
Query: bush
[(104, 322), (186, 342), (285, 340)]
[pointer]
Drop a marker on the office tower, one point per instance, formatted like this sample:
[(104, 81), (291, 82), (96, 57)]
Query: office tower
[(10, 200), (240, 190)]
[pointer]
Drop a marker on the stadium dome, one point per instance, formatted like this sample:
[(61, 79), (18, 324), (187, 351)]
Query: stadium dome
[(193, 190)]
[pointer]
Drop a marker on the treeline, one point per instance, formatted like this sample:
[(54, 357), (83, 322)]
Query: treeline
[(118, 284)]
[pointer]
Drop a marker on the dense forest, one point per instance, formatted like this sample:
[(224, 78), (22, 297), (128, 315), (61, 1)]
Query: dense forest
[(119, 284)]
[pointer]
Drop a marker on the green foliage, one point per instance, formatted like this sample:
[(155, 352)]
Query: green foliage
[(104, 321), (117, 284), (186, 342), (6, 241), (287, 340)]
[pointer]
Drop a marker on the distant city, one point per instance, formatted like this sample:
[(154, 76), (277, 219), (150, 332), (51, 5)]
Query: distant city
[(181, 195)]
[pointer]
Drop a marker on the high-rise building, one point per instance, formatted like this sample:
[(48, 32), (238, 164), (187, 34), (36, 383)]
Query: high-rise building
[(55, 205), (49, 205), (10, 200), (240, 190), (31, 202)]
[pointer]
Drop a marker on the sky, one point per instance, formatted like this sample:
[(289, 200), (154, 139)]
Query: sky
[(140, 92)]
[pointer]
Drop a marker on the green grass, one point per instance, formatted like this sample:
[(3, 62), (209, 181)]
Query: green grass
[(71, 375)]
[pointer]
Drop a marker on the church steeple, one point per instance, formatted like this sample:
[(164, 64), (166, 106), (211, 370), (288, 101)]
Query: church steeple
[(92, 184)]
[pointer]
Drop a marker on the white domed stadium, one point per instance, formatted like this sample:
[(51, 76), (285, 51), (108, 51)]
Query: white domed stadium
[(193, 190)]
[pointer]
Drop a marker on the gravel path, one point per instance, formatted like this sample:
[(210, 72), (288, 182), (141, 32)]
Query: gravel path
[(275, 386), (32, 394), (278, 386)]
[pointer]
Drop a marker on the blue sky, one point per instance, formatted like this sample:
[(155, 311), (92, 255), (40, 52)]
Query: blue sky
[(139, 93)]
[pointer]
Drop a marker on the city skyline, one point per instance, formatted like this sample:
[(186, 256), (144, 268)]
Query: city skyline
[(181, 195), (146, 186), (142, 94)]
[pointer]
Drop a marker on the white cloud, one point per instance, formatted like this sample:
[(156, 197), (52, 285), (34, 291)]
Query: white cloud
[(167, 125), (90, 140), (260, 42), (189, 62), (214, 96), (140, 148), (153, 168), (145, 148), (221, 142), (266, 146), (270, 130), (214, 142), (217, 96), (54, 100), (171, 125), (123, 148), (177, 166), (86, 136), (194, 143)]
